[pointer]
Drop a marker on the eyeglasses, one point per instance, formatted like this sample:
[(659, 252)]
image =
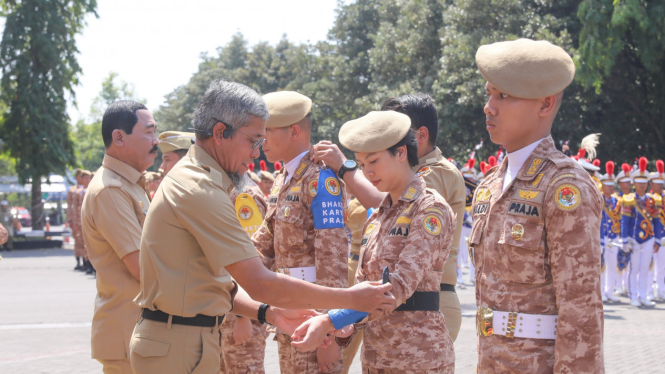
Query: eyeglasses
[(257, 142)]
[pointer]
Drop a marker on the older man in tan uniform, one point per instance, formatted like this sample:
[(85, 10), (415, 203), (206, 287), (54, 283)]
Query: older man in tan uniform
[(193, 248), (113, 212), (536, 219)]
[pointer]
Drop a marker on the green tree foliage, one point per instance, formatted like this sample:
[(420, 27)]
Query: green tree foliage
[(39, 66)]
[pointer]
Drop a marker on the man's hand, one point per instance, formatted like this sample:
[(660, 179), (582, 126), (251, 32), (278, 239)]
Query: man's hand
[(372, 297), (326, 357), (242, 331), (310, 335), (289, 319), (329, 153)]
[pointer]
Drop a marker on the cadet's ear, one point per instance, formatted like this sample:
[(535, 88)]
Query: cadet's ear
[(422, 135), (401, 153), (295, 131), (118, 137), (548, 105)]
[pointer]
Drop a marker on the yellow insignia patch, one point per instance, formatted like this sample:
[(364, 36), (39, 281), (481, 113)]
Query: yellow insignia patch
[(567, 197), (274, 190), (295, 189), (483, 194), (560, 177), (536, 181), (300, 169), (332, 185), (434, 210), (313, 187), (245, 212), (528, 195), (403, 220), (409, 208), (369, 229), (410, 193), (517, 231), (534, 166), (432, 224)]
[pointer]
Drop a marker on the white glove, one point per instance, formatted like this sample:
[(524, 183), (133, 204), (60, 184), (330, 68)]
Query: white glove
[(627, 247)]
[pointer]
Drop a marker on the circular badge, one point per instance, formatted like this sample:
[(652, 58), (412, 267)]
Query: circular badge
[(369, 229), (245, 212), (287, 211), (432, 224), (332, 185), (567, 197), (313, 187), (517, 231)]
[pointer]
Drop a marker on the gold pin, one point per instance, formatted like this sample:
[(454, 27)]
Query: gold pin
[(517, 231), (287, 210)]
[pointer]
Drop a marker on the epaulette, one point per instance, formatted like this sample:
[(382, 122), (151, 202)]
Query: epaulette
[(657, 198), (111, 179), (628, 199), (491, 170), (562, 161)]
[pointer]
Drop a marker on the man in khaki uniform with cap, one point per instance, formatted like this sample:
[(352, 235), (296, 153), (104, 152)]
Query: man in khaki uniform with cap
[(113, 212), (536, 219), (71, 212), (194, 250), (303, 234), (77, 201), (174, 146)]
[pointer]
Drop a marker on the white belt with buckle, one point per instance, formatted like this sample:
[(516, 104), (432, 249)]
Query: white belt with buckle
[(516, 325), (308, 274)]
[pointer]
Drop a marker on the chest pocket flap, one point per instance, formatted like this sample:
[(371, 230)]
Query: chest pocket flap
[(289, 226), (523, 245)]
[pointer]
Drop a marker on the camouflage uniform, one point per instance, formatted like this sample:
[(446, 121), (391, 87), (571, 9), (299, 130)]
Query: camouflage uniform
[(79, 244), (537, 251), (413, 237), (248, 357), (287, 239)]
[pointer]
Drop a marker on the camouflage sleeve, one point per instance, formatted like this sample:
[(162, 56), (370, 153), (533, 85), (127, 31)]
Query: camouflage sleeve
[(263, 240), (429, 242), (69, 207), (259, 199), (572, 221)]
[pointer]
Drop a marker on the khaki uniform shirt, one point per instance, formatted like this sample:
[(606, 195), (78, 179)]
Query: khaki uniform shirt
[(537, 251), (113, 211), (287, 238), (356, 218), (441, 175), (70, 204), (413, 238), (191, 233)]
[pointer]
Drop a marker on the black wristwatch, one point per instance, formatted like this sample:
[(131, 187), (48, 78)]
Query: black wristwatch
[(348, 165), (261, 315)]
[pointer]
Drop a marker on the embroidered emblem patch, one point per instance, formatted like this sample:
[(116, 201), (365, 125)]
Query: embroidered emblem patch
[(293, 198), (567, 197), (432, 224), (534, 166), (410, 193), (332, 185), (429, 210), (553, 182), (523, 209), (313, 187), (423, 171), (245, 212), (295, 189), (536, 181), (517, 231), (399, 231), (403, 220), (481, 208), (528, 195), (483, 194), (369, 229), (300, 170)]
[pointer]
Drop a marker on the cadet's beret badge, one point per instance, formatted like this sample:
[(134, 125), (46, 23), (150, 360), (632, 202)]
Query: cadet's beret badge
[(567, 197)]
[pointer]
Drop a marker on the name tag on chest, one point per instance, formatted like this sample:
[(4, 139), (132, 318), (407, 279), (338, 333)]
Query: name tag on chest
[(523, 209)]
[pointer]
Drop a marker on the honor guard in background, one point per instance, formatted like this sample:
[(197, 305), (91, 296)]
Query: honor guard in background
[(114, 209), (657, 184), (625, 184), (610, 233), (174, 146), (641, 231), (266, 179), (303, 234), (71, 212), (538, 311)]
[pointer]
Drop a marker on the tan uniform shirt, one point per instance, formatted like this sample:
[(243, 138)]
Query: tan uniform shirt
[(441, 175), (413, 238), (357, 216), (191, 233), (70, 204), (537, 251), (114, 208), (287, 238)]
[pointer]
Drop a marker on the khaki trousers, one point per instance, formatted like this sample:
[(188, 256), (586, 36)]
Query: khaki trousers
[(452, 312), (157, 347), (116, 366)]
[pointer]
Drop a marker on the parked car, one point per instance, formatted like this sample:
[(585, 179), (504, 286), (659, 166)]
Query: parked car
[(23, 216)]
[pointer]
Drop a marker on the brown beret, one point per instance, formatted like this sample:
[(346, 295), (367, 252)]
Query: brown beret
[(286, 108), (170, 141), (265, 175), (86, 173), (526, 68), (376, 131)]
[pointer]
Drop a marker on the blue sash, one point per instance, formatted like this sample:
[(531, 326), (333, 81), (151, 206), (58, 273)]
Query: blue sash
[(327, 206)]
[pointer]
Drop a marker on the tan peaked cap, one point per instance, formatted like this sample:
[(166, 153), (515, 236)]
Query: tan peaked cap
[(526, 68), (253, 177), (170, 141), (286, 108), (376, 131)]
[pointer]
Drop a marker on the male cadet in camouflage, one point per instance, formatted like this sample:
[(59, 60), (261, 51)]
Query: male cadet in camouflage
[(70, 218), (174, 146), (438, 173), (79, 194), (641, 232), (610, 230), (657, 184), (303, 232), (244, 339), (536, 224)]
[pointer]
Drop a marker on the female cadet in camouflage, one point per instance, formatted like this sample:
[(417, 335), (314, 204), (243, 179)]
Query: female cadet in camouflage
[(410, 235)]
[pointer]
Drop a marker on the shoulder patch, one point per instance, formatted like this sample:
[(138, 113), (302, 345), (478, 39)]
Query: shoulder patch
[(433, 210), (313, 187), (423, 171), (567, 197), (332, 186), (535, 163), (432, 224), (560, 177), (410, 193)]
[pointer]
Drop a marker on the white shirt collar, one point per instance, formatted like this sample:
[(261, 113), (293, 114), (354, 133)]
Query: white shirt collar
[(292, 165), (516, 160)]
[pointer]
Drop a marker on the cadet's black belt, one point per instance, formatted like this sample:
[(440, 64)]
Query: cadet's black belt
[(421, 300), (200, 320), (354, 256), (448, 287)]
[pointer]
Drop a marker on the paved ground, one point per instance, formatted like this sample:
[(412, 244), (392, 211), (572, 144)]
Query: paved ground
[(46, 308)]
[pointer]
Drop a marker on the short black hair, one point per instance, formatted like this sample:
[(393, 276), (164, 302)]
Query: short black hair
[(411, 144), (181, 153), (120, 115), (420, 107)]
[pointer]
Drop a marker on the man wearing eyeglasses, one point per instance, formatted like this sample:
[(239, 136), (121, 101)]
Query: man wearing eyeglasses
[(303, 232)]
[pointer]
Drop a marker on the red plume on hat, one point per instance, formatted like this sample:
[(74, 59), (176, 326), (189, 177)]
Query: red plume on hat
[(483, 166), (660, 166), (251, 167), (626, 168), (262, 164), (491, 161), (642, 164), (581, 153), (278, 166), (609, 167), (471, 163), (596, 163)]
